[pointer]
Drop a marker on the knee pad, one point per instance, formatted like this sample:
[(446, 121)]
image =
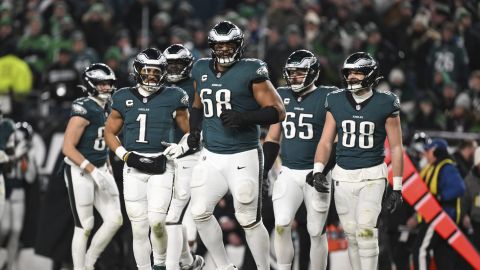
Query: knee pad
[(283, 221), (140, 229), (247, 219), (350, 227), (87, 224), (245, 191), (199, 211), (280, 229), (315, 228), (367, 239), (157, 223), (136, 211)]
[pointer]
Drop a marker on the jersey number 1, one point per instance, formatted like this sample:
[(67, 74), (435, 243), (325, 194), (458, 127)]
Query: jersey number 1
[(365, 138), (142, 118)]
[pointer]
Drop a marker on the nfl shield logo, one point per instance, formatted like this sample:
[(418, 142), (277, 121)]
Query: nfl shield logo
[(145, 100), (358, 107)]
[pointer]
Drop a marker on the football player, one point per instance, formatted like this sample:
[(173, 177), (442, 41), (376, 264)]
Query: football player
[(23, 170), (301, 129), (362, 117), (233, 96), (89, 181), (146, 113), (7, 144), (179, 66)]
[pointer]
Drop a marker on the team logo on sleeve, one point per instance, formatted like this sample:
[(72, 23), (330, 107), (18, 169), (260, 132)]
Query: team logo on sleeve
[(396, 103), (184, 100), (262, 71), (79, 109), (129, 103)]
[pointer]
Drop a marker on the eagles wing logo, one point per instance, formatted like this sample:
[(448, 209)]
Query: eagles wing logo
[(262, 71), (78, 109), (396, 103), (184, 100)]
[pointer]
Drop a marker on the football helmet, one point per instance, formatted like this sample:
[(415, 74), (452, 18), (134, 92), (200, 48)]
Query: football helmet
[(179, 63), (228, 34), (364, 63), (149, 69), (94, 74), (301, 70), (25, 129)]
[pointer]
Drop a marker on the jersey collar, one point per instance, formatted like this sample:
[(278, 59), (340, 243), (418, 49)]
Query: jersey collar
[(143, 99), (357, 106)]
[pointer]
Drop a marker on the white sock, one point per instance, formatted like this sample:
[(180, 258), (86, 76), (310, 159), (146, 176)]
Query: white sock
[(353, 253), (174, 246), (283, 246), (259, 244), (186, 257), (319, 252), (141, 244), (79, 247), (100, 241), (211, 235)]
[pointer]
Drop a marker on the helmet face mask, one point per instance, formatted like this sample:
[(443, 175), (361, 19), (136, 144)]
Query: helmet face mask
[(301, 70), (360, 63), (94, 77), (150, 68), (179, 63), (226, 43)]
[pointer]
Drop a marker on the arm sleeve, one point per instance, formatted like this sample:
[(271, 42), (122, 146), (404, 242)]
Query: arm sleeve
[(117, 104), (395, 106), (79, 109), (261, 72), (182, 101), (451, 184)]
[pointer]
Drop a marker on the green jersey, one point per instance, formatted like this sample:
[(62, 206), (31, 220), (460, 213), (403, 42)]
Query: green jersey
[(361, 126), (231, 90), (147, 121), (303, 126), (7, 135), (92, 143), (187, 86)]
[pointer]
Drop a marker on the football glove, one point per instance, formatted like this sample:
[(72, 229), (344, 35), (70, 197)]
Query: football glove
[(232, 119), (319, 182), (150, 165), (174, 150), (194, 138), (393, 201), (99, 179)]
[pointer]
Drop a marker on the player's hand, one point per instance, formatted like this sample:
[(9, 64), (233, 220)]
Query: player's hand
[(174, 150), (394, 201), (320, 183), (150, 165), (309, 178), (99, 179), (193, 140), (231, 118)]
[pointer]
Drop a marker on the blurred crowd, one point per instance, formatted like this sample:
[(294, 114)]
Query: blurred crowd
[(427, 50)]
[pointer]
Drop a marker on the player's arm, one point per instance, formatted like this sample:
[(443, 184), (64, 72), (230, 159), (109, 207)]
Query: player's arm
[(195, 120), (272, 110), (75, 128), (322, 155), (271, 147), (394, 135), (113, 126), (325, 145), (182, 118)]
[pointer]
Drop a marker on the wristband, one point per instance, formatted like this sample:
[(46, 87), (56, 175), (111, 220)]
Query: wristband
[(397, 182), (121, 152), (84, 164), (318, 167)]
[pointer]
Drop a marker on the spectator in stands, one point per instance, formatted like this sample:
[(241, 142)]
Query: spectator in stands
[(449, 58), (464, 156), (474, 93), (460, 118), (83, 56), (446, 184), (471, 220), (8, 40), (470, 34), (61, 78), (283, 13), (97, 27), (427, 116), (33, 47), (160, 31)]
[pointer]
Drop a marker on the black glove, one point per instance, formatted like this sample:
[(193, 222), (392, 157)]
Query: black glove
[(393, 201), (150, 165), (320, 182), (309, 178), (193, 140), (232, 119)]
